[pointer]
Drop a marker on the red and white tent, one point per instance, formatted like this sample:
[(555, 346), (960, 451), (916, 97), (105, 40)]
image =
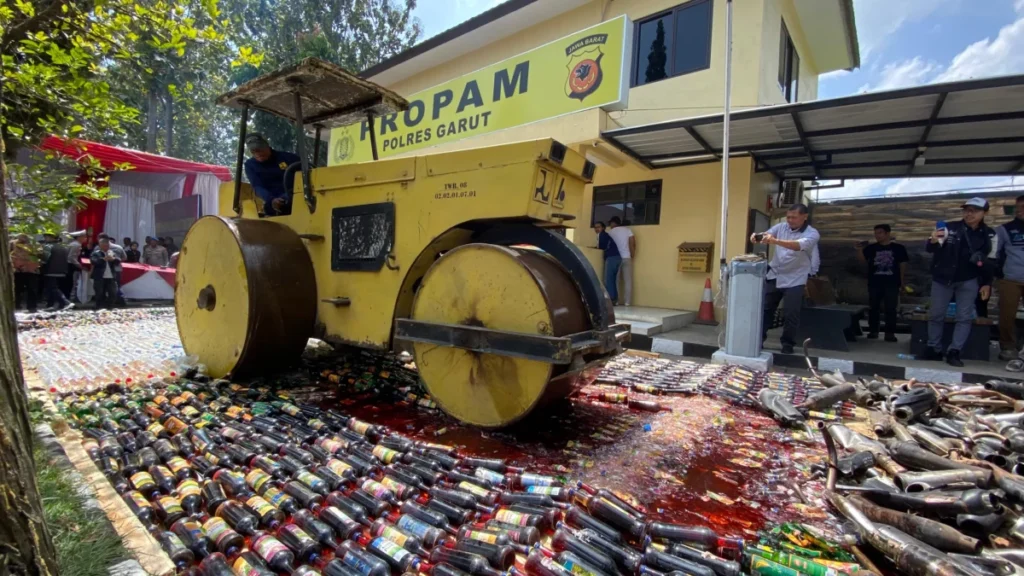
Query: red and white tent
[(129, 211)]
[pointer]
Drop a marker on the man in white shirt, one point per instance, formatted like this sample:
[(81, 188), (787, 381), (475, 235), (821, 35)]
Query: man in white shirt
[(792, 263), (626, 243)]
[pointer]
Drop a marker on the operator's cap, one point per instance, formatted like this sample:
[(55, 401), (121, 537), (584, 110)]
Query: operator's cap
[(77, 233), (256, 141), (976, 202)]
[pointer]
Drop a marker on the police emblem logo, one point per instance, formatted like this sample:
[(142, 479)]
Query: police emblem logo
[(585, 73), (283, 165), (343, 148)]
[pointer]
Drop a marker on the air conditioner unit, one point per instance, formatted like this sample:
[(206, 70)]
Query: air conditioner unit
[(792, 193)]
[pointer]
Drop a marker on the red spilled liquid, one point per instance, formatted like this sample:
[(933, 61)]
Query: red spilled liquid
[(707, 462)]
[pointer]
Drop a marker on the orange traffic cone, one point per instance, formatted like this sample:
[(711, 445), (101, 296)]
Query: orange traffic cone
[(706, 313)]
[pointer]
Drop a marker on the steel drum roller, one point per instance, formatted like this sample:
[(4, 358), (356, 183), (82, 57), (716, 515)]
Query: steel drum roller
[(244, 295), (498, 288)]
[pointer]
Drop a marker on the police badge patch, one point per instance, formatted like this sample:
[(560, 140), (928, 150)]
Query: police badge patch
[(584, 66)]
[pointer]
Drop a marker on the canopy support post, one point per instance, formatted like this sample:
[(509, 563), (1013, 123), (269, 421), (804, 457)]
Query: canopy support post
[(236, 204), (373, 136), (316, 144), (300, 137)]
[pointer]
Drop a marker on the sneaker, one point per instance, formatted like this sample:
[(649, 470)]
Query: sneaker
[(891, 338), (953, 358), (1007, 354), (787, 348), (931, 354), (872, 336), (68, 306)]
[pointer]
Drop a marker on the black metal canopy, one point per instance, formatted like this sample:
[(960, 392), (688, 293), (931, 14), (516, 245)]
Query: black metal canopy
[(331, 96), (969, 128)]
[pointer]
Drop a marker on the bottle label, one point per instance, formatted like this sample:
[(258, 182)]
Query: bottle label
[(177, 464), (190, 412), (243, 568), (256, 478), (577, 569), (309, 479), (175, 426), (277, 497), (140, 501), (385, 455), (376, 488), (195, 529), (142, 480), (268, 547), (156, 429), (232, 433), (260, 506), (90, 445), (413, 526), (178, 401), (189, 487), (489, 475), (511, 517), (217, 529), (160, 400), (391, 549), (393, 535), (760, 566), (358, 426), (170, 505), (338, 467), (299, 534), (482, 536), (548, 490), (528, 479), (317, 424), (394, 485), (235, 412), (474, 489), (114, 465), (356, 563), (330, 444), (290, 409)]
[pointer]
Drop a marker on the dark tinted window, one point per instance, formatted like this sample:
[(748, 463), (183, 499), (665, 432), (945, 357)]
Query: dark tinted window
[(789, 66), (636, 203), (655, 38), (693, 38), (673, 43)]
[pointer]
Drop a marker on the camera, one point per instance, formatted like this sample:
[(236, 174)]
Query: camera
[(759, 237)]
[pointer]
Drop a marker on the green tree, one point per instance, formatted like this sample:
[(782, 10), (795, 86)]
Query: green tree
[(657, 58), (55, 57)]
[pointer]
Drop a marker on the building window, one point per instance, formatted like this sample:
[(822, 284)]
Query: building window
[(635, 203), (673, 43), (789, 66)]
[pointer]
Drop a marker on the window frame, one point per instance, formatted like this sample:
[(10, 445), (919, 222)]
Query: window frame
[(789, 65), (659, 182), (671, 50)]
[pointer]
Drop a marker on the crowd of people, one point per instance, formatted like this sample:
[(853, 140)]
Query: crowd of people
[(50, 270)]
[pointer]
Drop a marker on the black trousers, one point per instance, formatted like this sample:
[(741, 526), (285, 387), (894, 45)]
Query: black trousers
[(792, 300), (106, 293), (27, 284), (51, 287), (882, 296)]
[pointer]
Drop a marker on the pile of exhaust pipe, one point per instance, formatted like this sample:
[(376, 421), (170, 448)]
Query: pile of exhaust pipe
[(939, 489)]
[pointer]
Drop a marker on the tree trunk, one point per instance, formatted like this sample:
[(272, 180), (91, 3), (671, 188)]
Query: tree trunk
[(168, 125), (25, 544), (152, 115)]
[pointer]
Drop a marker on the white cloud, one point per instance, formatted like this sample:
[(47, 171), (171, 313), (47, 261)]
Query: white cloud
[(913, 186), (877, 20), (1004, 55), (913, 72), (1019, 6)]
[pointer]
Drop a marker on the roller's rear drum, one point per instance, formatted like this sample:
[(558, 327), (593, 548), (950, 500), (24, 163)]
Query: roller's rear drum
[(244, 295)]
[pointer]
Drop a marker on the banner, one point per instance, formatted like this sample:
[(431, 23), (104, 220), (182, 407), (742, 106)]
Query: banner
[(584, 70)]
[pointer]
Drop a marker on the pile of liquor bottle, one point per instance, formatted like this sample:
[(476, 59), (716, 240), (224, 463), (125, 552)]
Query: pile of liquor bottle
[(246, 481)]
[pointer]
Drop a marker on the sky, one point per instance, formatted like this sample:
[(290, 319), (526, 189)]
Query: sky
[(903, 43)]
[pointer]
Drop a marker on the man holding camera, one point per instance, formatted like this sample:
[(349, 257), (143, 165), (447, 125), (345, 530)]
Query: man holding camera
[(959, 271)]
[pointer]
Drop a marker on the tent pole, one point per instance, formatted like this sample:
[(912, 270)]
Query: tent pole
[(722, 287)]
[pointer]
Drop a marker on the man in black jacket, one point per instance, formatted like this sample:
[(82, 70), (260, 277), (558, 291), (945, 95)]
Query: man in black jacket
[(959, 271), (54, 270)]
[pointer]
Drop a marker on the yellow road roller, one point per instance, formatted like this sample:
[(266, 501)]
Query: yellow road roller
[(461, 256)]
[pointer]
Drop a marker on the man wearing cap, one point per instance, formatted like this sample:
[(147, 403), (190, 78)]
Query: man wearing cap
[(960, 253), (265, 172)]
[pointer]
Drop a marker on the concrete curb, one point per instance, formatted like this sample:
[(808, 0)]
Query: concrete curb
[(54, 449), (849, 367)]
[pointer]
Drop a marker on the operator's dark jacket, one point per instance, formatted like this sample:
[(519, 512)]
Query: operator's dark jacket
[(951, 260)]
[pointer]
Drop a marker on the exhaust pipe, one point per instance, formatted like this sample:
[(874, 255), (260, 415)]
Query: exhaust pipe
[(779, 407), (937, 534), (1010, 389), (983, 524), (829, 396), (930, 440), (910, 405), (912, 482), (856, 442), (913, 456), (911, 556), (946, 504)]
